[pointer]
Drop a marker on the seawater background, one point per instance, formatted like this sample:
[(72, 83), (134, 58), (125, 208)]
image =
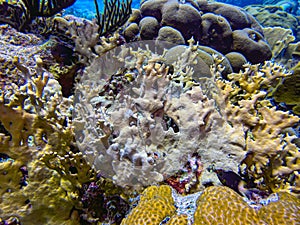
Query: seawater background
[(86, 8)]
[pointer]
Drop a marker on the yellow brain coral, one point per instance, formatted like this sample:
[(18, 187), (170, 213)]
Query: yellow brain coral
[(216, 205), (221, 205), (285, 211), (156, 204)]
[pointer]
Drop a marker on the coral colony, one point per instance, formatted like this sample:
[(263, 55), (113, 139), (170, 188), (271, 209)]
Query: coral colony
[(176, 112)]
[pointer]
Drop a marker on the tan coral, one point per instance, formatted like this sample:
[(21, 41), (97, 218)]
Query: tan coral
[(148, 125), (278, 38), (268, 142)]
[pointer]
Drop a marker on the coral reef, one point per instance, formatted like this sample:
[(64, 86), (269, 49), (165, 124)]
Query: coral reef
[(162, 117), (147, 113), (274, 16), (43, 175), (272, 155), (223, 27), (216, 205)]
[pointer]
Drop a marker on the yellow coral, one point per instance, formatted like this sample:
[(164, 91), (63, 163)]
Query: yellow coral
[(221, 205), (178, 220), (33, 116), (272, 154), (216, 205), (156, 204), (285, 211)]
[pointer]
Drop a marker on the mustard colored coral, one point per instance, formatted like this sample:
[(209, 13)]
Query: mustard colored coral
[(285, 211), (156, 204), (216, 205), (221, 205)]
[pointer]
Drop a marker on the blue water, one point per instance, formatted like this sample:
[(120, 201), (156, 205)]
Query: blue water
[(86, 8)]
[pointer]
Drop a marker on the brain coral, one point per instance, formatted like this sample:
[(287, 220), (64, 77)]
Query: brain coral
[(217, 25), (221, 205), (156, 204), (140, 124), (215, 205)]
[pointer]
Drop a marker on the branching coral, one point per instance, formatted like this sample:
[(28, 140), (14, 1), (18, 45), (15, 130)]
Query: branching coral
[(268, 142), (42, 173), (34, 116), (140, 124), (86, 37)]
